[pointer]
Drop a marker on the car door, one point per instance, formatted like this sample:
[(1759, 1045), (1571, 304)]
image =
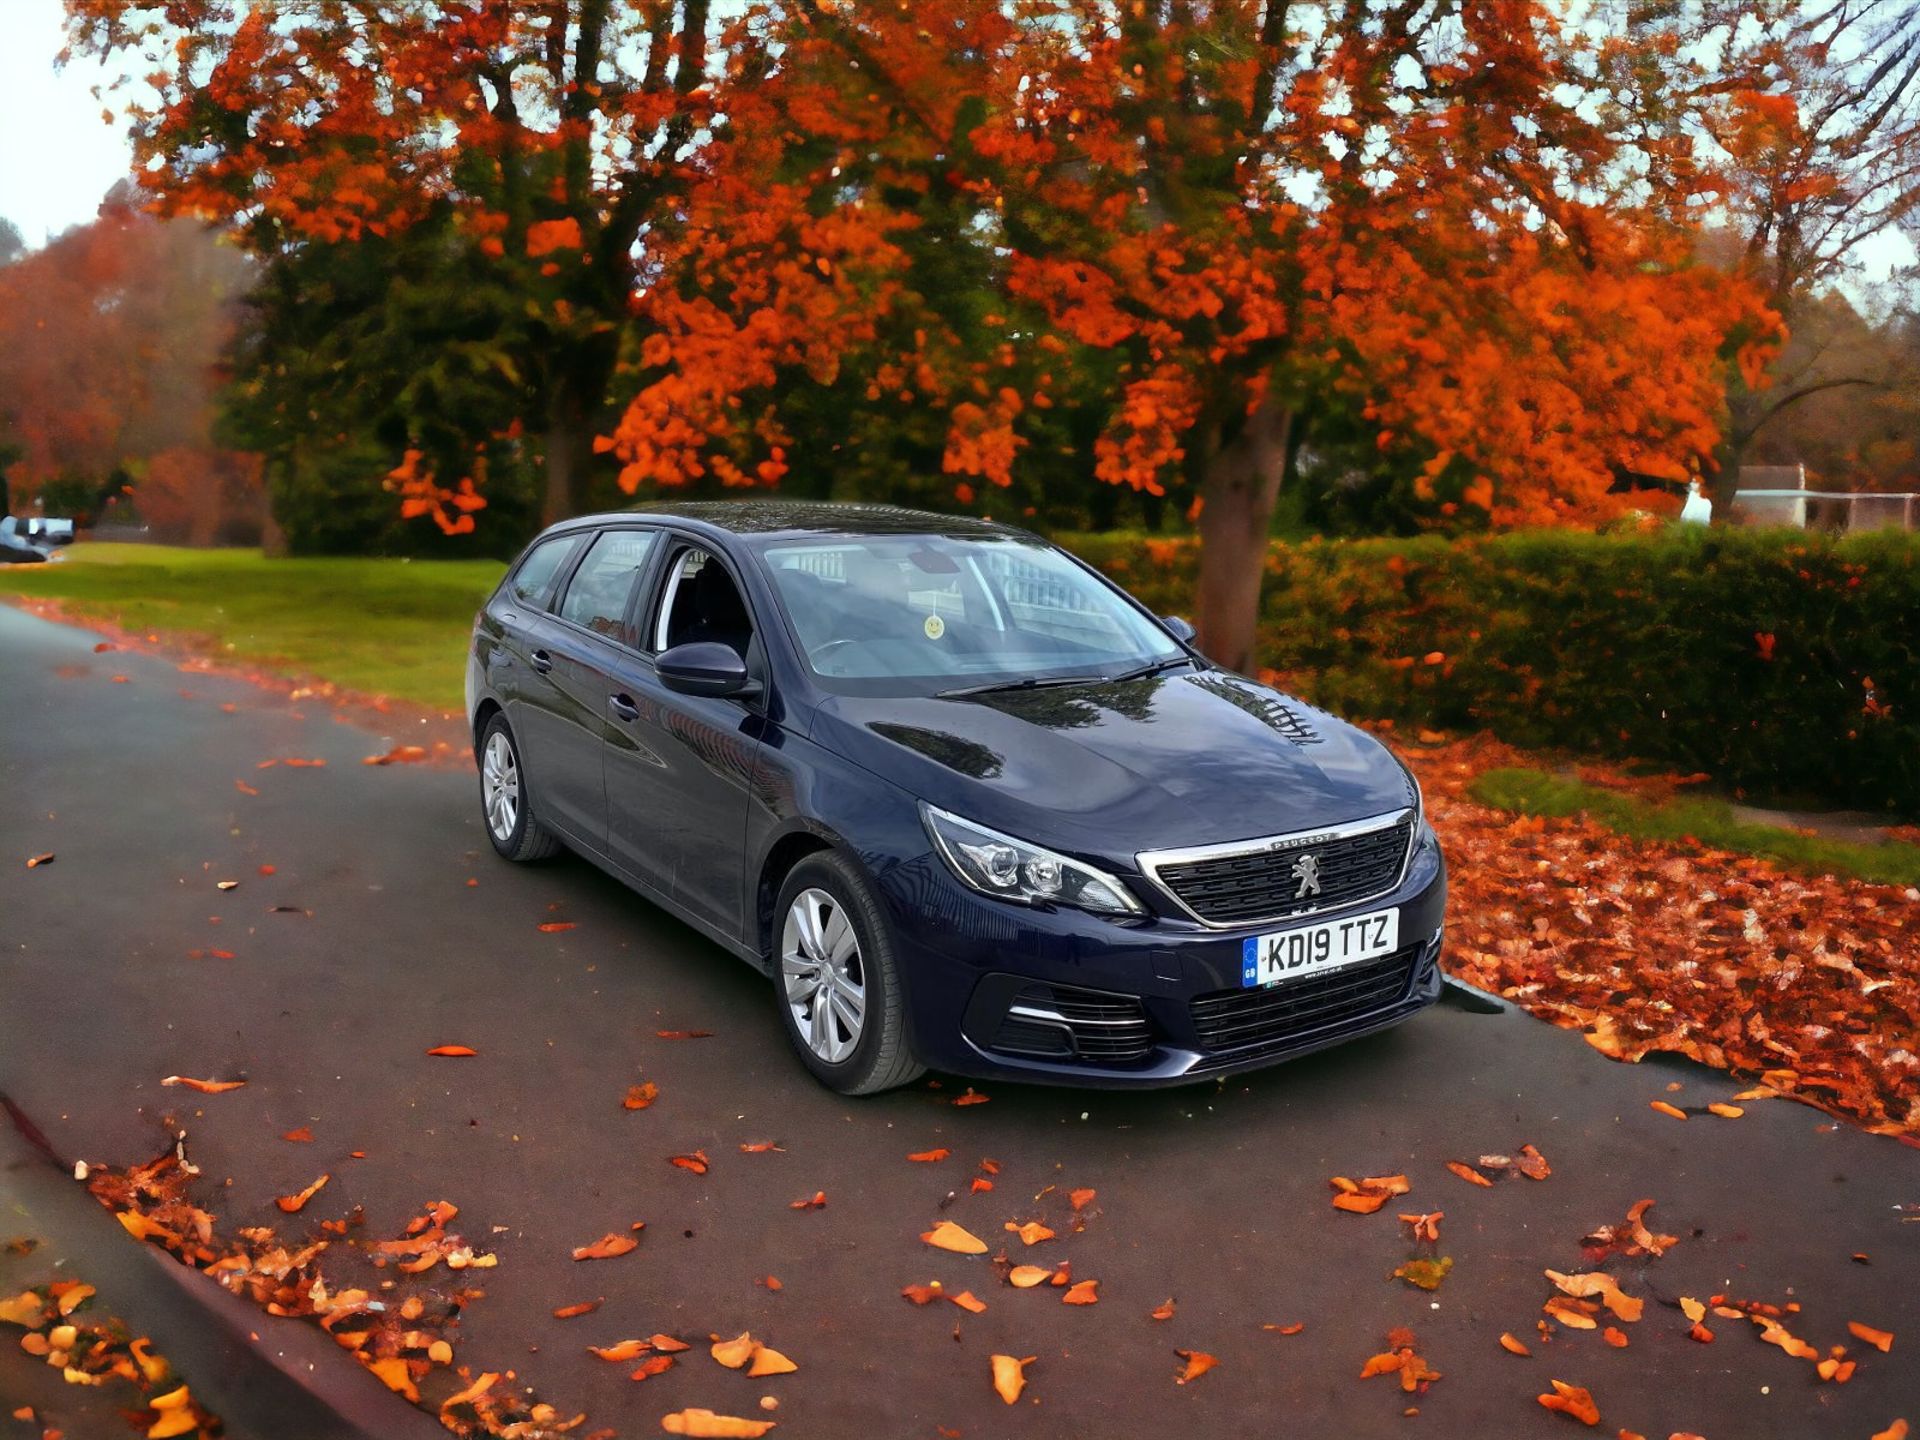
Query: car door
[(513, 630), (678, 766), (563, 724)]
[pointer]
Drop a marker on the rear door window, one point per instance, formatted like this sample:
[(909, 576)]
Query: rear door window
[(603, 583), (534, 578)]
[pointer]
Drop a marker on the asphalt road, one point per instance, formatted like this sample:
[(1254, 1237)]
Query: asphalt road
[(1216, 1196)]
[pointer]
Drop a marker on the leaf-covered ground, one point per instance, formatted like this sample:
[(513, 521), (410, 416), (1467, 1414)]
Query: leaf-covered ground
[(1809, 984)]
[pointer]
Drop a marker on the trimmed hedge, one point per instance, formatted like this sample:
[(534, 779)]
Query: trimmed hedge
[(1784, 664)]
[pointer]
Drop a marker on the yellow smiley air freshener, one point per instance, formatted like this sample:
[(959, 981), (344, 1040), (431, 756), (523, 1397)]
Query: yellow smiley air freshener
[(935, 627)]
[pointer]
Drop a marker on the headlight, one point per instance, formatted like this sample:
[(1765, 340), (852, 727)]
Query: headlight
[(1011, 869)]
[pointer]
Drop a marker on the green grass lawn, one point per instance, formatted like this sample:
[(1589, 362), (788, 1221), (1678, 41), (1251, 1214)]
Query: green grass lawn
[(381, 627), (1709, 821)]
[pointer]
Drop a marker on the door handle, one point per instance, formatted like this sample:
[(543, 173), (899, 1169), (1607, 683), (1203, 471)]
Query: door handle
[(624, 707), (541, 661)]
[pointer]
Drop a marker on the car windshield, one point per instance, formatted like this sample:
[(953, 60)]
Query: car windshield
[(917, 614)]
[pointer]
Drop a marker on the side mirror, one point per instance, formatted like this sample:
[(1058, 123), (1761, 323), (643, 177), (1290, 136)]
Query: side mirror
[(704, 667), (1182, 628)]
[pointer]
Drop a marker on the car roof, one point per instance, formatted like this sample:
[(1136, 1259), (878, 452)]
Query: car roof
[(800, 517)]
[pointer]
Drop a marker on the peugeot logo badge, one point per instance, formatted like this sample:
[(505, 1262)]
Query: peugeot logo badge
[(1306, 870)]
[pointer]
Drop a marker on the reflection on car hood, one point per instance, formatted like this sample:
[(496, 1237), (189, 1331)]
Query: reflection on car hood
[(1111, 769)]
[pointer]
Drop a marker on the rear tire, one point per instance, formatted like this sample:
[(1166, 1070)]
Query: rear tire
[(837, 979), (506, 809)]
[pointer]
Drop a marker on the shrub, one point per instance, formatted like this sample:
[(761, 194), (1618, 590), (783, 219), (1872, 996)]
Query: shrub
[(1784, 664)]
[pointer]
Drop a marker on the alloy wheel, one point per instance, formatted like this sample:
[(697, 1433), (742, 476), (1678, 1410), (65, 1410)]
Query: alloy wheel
[(500, 786), (822, 974)]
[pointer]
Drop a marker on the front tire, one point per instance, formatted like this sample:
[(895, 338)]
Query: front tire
[(505, 806), (837, 979)]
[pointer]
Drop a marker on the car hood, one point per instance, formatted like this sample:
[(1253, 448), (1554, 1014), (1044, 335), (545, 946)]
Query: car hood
[(1110, 769)]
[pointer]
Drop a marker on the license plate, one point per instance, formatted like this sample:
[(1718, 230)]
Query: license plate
[(1269, 959)]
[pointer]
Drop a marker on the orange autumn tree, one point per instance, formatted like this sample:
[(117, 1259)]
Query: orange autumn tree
[(1212, 213), (558, 134)]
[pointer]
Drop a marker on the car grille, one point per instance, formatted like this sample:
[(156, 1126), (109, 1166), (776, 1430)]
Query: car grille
[(1273, 1018), (1252, 885), (1062, 1022)]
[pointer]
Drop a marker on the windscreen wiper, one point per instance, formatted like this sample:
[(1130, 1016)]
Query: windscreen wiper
[(1152, 667), (1028, 682)]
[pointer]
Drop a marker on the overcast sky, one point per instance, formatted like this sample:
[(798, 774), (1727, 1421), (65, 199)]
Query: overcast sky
[(58, 157)]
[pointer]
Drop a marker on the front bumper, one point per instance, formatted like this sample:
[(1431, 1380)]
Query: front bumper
[(1001, 990)]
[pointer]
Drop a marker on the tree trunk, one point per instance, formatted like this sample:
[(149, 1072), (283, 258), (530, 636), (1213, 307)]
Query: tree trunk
[(568, 458), (1240, 481)]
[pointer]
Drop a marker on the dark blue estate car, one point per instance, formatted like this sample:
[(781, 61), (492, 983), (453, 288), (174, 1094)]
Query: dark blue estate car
[(968, 804)]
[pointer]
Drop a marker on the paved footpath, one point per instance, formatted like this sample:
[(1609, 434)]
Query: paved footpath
[(1215, 1196)]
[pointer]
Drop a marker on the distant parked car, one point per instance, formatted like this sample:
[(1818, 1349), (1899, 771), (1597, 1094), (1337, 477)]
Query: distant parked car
[(17, 547), (50, 530), (964, 801)]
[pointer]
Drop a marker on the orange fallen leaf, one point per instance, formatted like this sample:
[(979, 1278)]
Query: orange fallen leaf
[(1896, 1431), (453, 1051), (1082, 1293), (1025, 1277), (269, 869), (1162, 1311), (1571, 1314), (929, 1157), (980, 1185), (696, 1162), (1614, 1337), (699, 1424), (297, 763), (768, 1361), (394, 1375), (757, 1147), (1573, 1400), (1010, 1376), (205, 1087), (291, 1204), (949, 1236), (735, 1352), (640, 1096), (772, 1282), (623, 1351), (1532, 1164), (1294, 1329), (969, 1302), (923, 1294), (568, 1312), (1400, 1358), (302, 1136), (1729, 1112), (815, 1201), (244, 788), (1031, 1233), (667, 1344), (1468, 1173), (607, 1246), (1198, 1363), (399, 755), (1774, 1333), (1631, 1237), (554, 927), (1427, 1226), (1586, 1286), (1665, 1109), (1512, 1345), (34, 862), (972, 1097), (1080, 1199), (1881, 1340), (653, 1365)]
